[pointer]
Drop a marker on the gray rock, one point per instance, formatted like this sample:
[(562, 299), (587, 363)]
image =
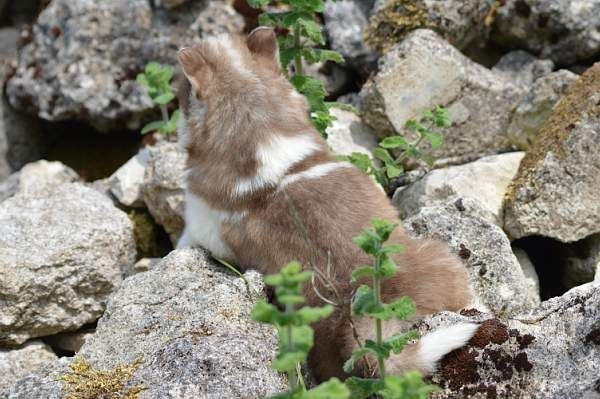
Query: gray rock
[(425, 71), (581, 261), (495, 274), (522, 67), (484, 180), (145, 264), (565, 31), (459, 22), (349, 134), (551, 352), (37, 175), (528, 267), (537, 106), (16, 363), (188, 320), (555, 192), (61, 253), (345, 22), (163, 187), (84, 55), (126, 183)]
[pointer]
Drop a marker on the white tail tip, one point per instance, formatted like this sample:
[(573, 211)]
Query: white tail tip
[(435, 345)]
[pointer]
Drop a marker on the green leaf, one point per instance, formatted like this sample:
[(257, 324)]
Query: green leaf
[(388, 267), (311, 29), (313, 89), (265, 312), (357, 354), (286, 56), (394, 142), (291, 299), (394, 249), (381, 351), (401, 308), (383, 228), (164, 98), (332, 389), (392, 170), (309, 315), (361, 272), (441, 117), (258, 3), (383, 154), (363, 388), (153, 127), (364, 301), (398, 341), (368, 241), (408, 386), (361, 161), (287, 361), (435, 139)]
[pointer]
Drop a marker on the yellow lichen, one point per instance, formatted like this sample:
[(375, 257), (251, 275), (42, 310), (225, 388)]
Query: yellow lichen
[(577, 105), (394, 21), (87, 382), (146, 234)]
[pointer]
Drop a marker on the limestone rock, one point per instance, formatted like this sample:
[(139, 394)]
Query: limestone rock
[(565, 31), (16, 363), (523, 68), (36, 175), (459, 22), (531, 276), (83, 56), (555, 192), (126, 183), (163, 187), (425, 71), (494, 272), (62, 250), (484, 180), (537, 106), (345, 22), (551, 352), (189, 323), (349, 134)]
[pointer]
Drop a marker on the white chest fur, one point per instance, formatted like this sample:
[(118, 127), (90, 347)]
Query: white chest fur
[(203, 226)]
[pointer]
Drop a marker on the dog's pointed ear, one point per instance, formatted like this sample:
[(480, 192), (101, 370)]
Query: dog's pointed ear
[(193, 65), (262, 42)]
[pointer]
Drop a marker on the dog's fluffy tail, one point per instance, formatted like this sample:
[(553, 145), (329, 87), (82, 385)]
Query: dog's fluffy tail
[(425, 355)]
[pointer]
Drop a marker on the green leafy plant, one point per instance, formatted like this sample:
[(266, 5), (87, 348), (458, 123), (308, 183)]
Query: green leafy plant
[(305, 34), (157, 81), (367, 302), (392, 166), (295, 334)]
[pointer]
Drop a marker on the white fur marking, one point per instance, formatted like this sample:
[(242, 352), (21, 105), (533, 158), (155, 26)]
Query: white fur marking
[(438, 343), (203, 226), (275, 158), (313, 173)]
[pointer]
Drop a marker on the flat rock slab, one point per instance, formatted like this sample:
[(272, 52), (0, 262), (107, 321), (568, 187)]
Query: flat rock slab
[(556, 191), (16, 363), (62, 251)]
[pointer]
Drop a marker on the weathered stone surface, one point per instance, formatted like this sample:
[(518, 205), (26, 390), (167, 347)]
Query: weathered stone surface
[(484, 180), (345, 22), (70, 341), (459, 22), (349, 134), (565, 31), (61, 254), (581, 261), (531, 276), (552, 352), (84, 55), (537, 106), (494, 272), (425, 71), (163, 187), (522, 67), (555, 192), (37, 175), (16, 363), (188, 320), (126, 183)]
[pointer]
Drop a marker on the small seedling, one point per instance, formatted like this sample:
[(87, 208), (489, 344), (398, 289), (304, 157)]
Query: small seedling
[(392, 166), (305, 35), (157, 81), (296, 337), (367, 302)]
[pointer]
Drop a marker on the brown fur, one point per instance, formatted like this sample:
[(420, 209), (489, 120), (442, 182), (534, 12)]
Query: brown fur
[(312, 220)]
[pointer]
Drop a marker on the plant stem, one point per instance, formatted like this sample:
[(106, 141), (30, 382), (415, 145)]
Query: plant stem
[(378, 329), (298, 57), (292, 374), (165, 113)]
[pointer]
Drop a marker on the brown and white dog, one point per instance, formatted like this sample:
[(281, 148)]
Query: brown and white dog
[(263, 190)]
